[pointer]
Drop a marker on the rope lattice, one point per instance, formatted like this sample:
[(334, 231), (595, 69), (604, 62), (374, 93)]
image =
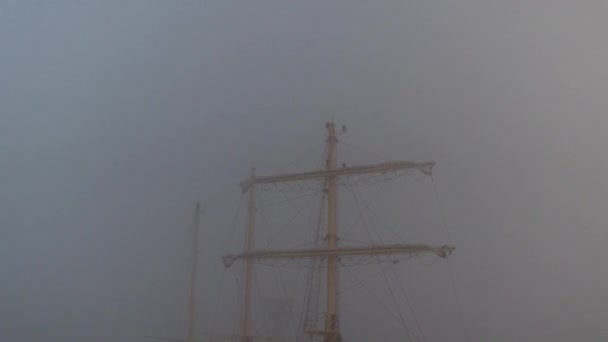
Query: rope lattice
[(315, 185), (348, 261)]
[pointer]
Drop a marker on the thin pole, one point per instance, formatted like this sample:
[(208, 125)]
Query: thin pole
[(246, 331), (192, 308), (331, 321)]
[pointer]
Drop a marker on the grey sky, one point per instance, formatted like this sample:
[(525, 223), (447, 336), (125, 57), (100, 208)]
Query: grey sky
[(115, 116)]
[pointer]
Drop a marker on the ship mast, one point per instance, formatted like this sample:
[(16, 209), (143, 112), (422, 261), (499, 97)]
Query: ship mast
[(332, 252), (331, 320)]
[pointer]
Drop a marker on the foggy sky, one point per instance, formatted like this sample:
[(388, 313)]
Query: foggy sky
[(116, 116)]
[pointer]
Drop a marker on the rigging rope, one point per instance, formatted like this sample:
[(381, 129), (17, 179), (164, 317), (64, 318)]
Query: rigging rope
[(452, 282), (366, 206), (409, 304), (298, 212), (223, 272), (399, 316), (310, 306), (302, 156), (386, 225), (365, 279), (407, 330), (291, 199), (353, 179), (239, 297), (361, 214)]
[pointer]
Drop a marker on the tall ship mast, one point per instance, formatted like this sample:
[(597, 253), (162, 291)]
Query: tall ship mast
[(326, 254)]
